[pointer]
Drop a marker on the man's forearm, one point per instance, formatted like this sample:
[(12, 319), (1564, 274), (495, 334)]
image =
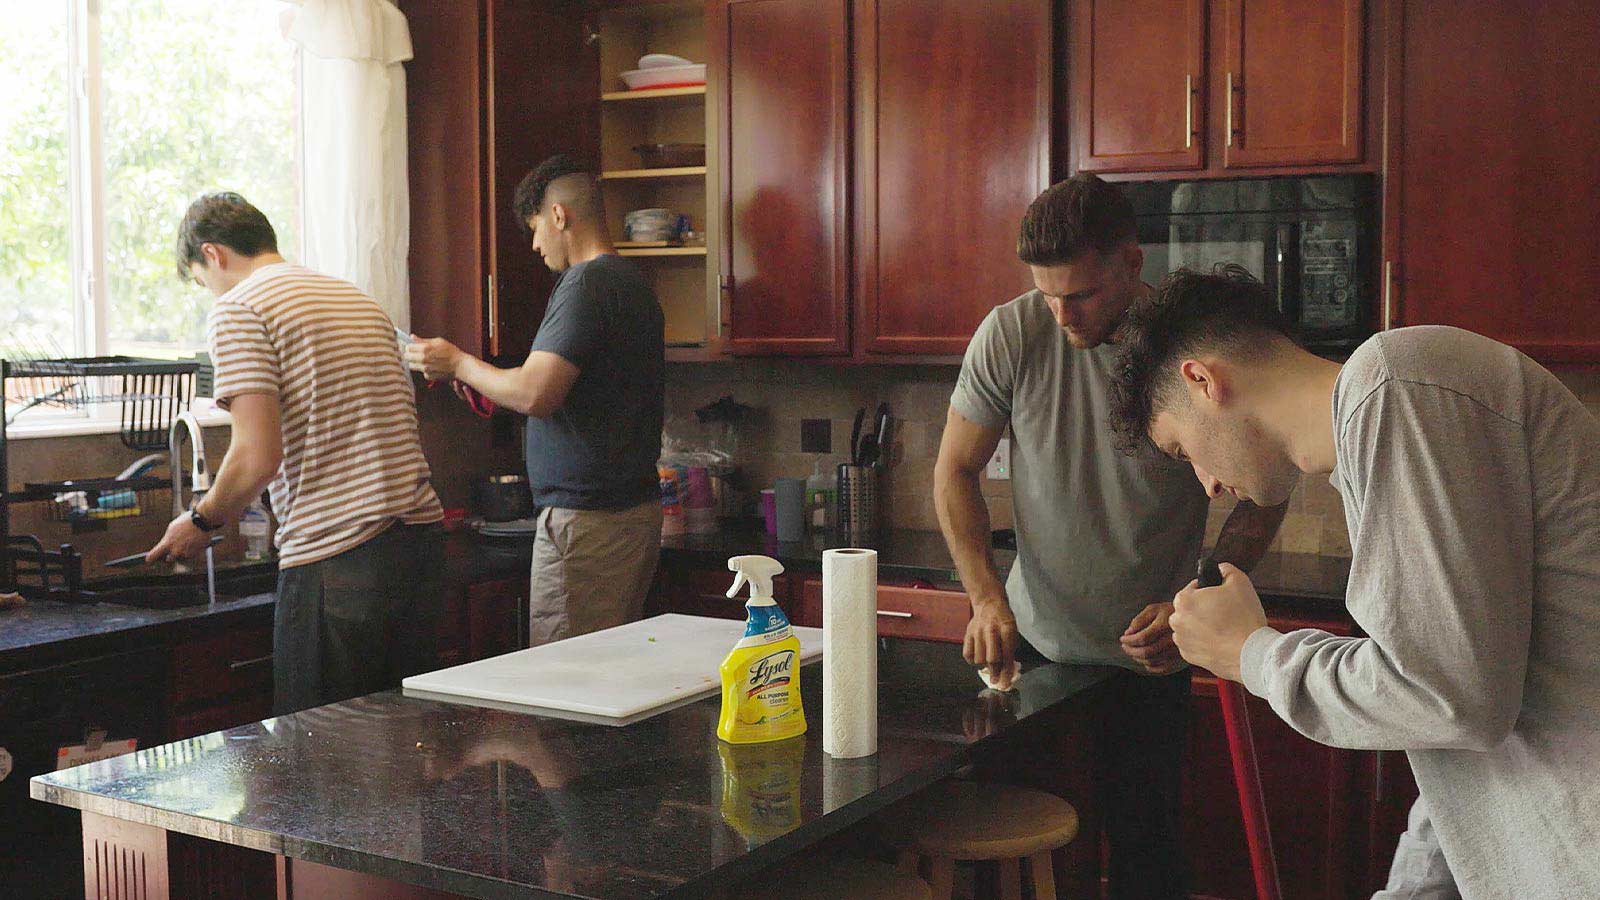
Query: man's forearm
[(964, 519), (510, 388), (244, 474), (1247, 533)]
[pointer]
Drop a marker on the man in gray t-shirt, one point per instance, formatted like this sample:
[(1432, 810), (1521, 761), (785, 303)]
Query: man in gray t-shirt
[(1471, 485), (1103, 541)]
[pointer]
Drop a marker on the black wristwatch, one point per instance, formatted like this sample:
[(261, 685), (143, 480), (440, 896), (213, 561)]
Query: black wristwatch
[(201, 522)]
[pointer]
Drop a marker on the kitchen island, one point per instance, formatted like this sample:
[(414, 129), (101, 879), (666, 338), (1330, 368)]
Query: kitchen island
[(392, 796)]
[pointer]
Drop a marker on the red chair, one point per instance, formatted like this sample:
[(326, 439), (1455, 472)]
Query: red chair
[(1247, 778), (1246, 772)]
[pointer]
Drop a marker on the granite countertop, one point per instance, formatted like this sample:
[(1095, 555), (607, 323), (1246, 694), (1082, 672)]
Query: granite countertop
[(496, 804)]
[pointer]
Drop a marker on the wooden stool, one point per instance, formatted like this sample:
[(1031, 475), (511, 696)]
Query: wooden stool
[(964, 820), (836, 878)]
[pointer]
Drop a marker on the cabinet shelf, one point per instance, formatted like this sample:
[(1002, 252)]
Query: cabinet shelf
[(679, 94), (636, 174), (661, 251)]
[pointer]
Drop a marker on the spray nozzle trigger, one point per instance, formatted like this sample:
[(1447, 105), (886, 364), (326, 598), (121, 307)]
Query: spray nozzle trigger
[(739, 581)]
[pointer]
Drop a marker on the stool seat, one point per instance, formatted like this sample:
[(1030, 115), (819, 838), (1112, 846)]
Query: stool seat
[(836, 878), (978, 821)]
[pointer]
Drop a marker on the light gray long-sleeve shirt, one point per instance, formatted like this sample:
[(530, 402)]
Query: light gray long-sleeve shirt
[(1471, 486)]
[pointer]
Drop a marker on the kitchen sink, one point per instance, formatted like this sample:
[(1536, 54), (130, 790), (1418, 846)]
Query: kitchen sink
[(172, 590)]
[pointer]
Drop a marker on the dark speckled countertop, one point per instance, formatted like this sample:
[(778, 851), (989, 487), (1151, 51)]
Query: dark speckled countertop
[(496, 804)]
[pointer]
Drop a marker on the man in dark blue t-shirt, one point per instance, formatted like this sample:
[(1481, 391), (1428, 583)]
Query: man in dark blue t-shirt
[(592, 389)]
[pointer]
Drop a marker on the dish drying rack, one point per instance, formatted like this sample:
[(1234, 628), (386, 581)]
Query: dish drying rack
[(150, 393)]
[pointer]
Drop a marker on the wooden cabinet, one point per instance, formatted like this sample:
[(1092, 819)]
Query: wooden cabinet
[(1262, 84), (919, 612), (494, 87), (1491, 223), (496, 617), (219, 681), (1137, 84), (781, 71), (952, 142), (1291, 82)]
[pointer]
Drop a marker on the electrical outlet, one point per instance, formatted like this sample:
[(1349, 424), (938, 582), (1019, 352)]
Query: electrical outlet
[(999, 467), (816, 436)]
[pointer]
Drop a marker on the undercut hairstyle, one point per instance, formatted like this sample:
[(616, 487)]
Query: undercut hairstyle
[(1225, 312), (559, 179), (222, 218), (1073, 217)]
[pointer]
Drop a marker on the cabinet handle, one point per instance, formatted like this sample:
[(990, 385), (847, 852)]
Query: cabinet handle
[(1388, 294), (1188, 111), (1229, 123), (237, 664), (494, 319), (895, 614)]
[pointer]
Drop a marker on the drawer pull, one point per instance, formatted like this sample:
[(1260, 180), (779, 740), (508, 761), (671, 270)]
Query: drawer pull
[(894, 614), (237, 664)]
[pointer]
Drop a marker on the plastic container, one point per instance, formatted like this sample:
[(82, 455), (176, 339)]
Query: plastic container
[(256, 529), (790, 507), (769, 510)]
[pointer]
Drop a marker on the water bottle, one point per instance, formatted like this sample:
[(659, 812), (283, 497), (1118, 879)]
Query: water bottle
[(254, 527)]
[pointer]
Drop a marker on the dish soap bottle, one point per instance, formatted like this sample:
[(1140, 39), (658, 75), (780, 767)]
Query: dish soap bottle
[(761, 677)]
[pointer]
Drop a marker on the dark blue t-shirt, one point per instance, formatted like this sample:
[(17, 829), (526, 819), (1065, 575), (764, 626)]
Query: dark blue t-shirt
[(599, 450)]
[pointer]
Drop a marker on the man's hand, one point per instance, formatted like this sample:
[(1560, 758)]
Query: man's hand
[(182, 540), (991, 639), (1148, 640), (435, 358), (1210, 625)]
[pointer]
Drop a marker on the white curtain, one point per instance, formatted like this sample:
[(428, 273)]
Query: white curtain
[(357, 205)]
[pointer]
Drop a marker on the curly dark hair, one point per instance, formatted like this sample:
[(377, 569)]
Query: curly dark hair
[(528, 199), (1226, 310), (222, 218), (1073, 216)]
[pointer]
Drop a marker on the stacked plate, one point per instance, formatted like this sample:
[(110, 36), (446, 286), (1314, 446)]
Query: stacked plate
[(662, 70), (513, 528), (643, 225)]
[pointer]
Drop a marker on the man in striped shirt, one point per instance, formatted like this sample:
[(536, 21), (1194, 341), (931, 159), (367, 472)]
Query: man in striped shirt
[(324, 411)]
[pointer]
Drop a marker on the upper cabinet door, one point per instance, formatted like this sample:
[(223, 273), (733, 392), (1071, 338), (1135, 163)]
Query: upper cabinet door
[(1136, 91), (782, 73), (1494, 213), (1290, 91), (952, 143)]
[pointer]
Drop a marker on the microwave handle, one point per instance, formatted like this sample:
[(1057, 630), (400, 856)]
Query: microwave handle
[(1286, 268)]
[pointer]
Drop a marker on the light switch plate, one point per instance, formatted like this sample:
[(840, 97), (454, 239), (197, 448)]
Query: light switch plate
[(999, 467)]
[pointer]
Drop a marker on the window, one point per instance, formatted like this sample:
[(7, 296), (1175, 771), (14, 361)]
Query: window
[(113, 117)]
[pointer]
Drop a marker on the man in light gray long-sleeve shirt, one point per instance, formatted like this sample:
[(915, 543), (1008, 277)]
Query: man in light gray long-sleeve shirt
[(1471, 485)]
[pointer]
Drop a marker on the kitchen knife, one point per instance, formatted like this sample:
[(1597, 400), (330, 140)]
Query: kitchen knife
[(137, 559), (882, 433), (1208, 573), (855, 437)]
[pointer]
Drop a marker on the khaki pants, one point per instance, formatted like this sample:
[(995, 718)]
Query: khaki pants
[(591, 569)]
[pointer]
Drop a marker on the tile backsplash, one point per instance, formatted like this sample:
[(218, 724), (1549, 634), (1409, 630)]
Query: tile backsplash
[(785, 392)]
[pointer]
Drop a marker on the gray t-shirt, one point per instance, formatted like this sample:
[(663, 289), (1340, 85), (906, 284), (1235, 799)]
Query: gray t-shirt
[(1099, 535), (1471, 485), (599, 450)]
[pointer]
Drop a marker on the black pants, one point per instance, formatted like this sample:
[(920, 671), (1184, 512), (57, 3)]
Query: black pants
[(1143, 735), (358, 622)]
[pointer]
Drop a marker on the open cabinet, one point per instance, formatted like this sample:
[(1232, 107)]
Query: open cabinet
[(495, 87), (681, 272)]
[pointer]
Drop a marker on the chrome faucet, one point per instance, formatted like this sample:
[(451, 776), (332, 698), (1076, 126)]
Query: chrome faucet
[(201, 480)]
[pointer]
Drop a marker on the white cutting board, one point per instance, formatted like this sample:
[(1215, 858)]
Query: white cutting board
[(613, 677)]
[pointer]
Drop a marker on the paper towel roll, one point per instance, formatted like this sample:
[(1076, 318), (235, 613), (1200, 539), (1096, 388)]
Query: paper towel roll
[(850, 653)]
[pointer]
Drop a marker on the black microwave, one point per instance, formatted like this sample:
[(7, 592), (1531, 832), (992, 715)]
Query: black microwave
[(1311, 240)]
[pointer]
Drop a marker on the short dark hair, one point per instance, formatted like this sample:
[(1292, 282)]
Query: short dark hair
[(528, 199), (1073, 216), (1226, 310), (223, 218)]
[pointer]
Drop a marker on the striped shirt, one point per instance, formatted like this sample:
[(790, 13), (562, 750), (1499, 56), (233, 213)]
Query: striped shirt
[(352, 458)]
